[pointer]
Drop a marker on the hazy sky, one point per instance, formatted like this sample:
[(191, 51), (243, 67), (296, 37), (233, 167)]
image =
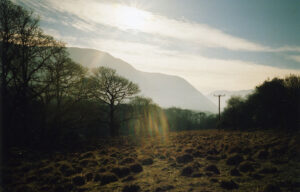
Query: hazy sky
[(213, 44)]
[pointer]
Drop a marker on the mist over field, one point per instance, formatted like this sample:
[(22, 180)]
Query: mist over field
[(136, 96)]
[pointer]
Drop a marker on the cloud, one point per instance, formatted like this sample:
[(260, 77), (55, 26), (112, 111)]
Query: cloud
[(58, 36), (295, 58), (95, 12), (84, 26), (88, 14), (206, 74), (287, 49), (151, 47)]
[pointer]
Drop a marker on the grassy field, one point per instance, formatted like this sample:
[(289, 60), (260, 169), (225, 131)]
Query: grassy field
[(185, 161)]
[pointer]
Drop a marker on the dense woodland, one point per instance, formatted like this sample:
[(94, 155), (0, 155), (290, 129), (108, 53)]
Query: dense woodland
[(275, 104)]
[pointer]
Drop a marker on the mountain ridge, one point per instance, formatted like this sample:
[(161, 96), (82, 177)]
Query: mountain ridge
[(179, 92)]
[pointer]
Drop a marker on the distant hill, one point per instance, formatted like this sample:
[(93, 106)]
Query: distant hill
[(228, 95), (165, 90)]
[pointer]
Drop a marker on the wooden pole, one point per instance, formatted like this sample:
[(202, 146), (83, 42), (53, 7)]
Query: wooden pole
[(219, 96)]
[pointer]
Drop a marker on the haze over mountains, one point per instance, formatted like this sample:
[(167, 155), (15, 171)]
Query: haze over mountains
[(165, 90)]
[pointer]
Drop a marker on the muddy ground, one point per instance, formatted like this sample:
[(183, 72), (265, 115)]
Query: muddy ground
[(203, 161)]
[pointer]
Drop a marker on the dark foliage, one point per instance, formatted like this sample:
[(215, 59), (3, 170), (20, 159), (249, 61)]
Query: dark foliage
[(275, 104), (182, 119)]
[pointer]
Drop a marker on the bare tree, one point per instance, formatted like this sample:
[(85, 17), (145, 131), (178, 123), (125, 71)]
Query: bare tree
[(26, 53), (65, 86), (111, 89), (8, 14)]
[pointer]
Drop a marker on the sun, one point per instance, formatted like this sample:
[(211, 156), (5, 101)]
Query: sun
[(131, 17)]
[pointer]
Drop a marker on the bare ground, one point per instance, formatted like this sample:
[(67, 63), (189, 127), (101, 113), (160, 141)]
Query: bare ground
[(185, 161)]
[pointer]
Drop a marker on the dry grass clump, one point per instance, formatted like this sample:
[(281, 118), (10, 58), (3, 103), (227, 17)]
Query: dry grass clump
[(186, 161)]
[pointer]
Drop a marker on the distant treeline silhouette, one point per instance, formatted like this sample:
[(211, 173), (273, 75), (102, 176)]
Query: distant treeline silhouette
[(275, 104)]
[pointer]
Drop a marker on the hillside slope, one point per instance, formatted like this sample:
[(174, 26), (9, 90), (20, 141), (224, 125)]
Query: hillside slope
[(165, 90)]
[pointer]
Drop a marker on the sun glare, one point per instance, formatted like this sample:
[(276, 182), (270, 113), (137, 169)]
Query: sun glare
[(131, 17)]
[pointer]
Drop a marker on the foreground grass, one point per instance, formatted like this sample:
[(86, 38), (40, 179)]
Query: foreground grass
[(185, 161)]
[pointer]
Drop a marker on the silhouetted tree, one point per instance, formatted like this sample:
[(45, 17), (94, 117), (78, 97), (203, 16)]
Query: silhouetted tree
[(66, 87), (231, 117), (25, 55), (8, 14), (292, 85), (275, 104), (112, 89), (8, 29)]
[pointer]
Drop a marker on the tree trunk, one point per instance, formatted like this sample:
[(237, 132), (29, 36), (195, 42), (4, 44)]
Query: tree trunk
[(58, 121), (25, 112), (3, 101), (112, 125)]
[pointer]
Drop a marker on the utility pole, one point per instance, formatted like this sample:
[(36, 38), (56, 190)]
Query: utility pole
[(219, 96)]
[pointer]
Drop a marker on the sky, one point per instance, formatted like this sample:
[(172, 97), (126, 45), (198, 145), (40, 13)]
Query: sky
[(214, 45)]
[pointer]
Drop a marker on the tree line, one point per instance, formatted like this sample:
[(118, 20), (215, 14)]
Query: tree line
[(48, 99), (275, 105)]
